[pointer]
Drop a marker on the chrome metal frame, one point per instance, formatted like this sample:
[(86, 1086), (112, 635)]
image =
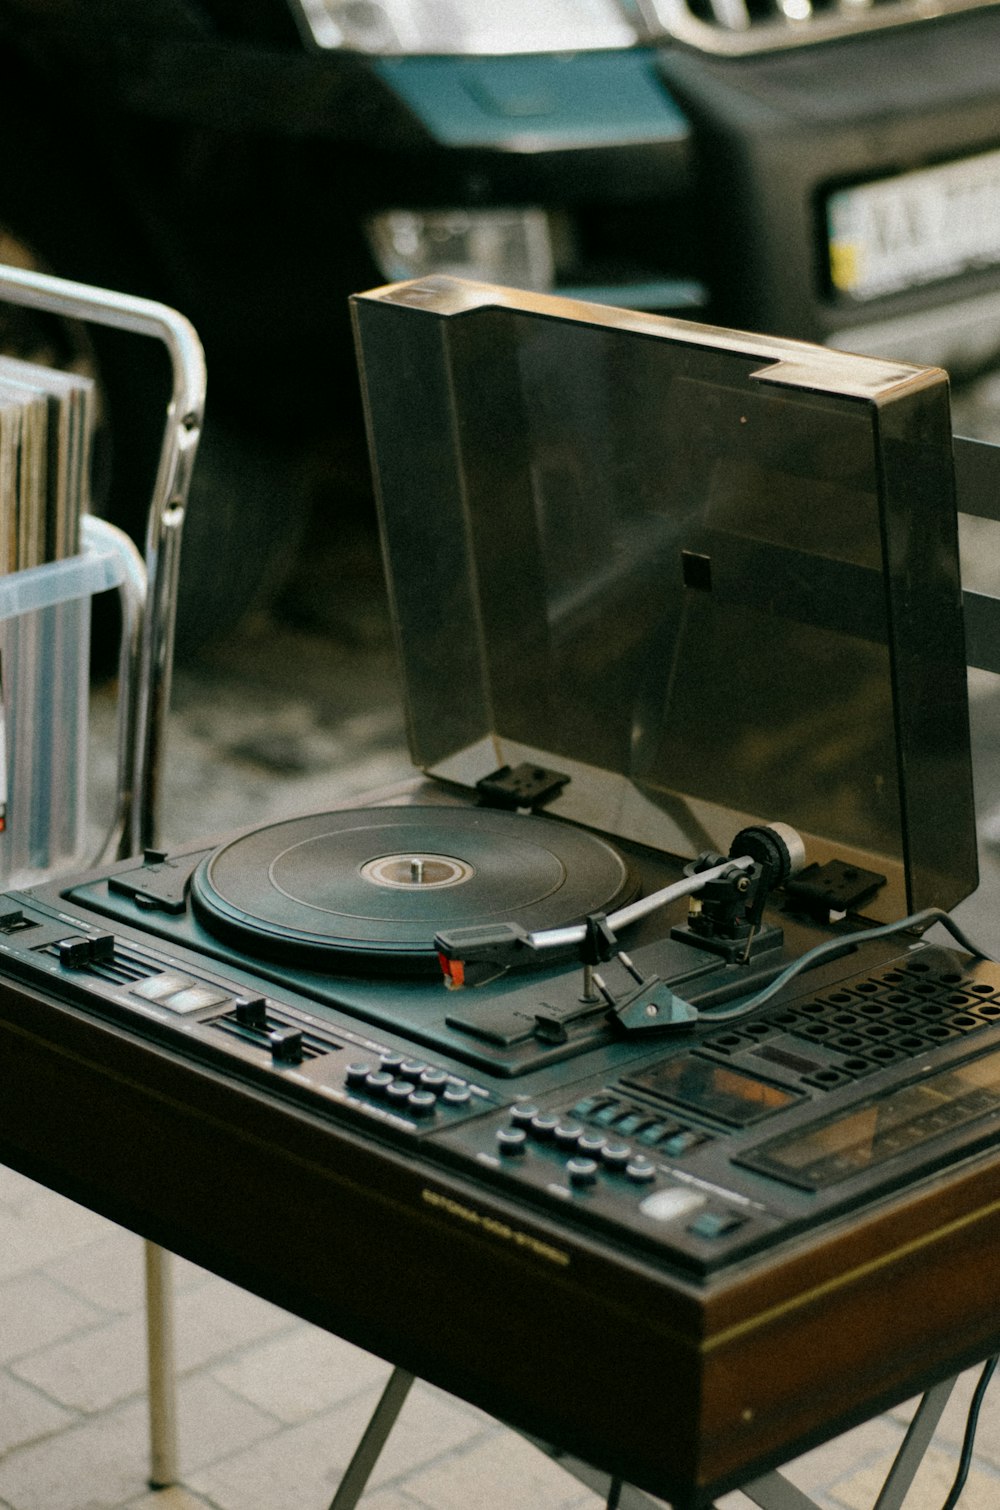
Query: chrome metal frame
[(185, 411), (148, 612)]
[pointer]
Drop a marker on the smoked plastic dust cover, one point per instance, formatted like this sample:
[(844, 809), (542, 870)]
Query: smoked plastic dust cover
[(711, 577)]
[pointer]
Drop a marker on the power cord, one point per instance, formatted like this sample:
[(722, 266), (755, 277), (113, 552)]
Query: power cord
[(834, 947), (965, 1459)]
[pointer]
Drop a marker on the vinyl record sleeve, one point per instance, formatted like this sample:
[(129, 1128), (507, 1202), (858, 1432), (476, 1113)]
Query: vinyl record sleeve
[(70, 401), (32, 472), (11, 427)]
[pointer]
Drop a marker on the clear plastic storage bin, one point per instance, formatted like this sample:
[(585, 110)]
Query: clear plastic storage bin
[(45, 674)]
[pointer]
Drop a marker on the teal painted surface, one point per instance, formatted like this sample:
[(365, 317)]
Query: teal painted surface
[(537, 103)]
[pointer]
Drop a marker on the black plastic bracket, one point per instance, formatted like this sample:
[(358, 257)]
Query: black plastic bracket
[(520, 786), (835, 888)]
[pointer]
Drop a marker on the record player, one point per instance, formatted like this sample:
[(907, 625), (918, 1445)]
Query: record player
[(680, 623), (654, 585)]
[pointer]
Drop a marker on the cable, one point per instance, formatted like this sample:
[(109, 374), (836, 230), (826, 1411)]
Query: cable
[(832, 947), (614, 1494), (965, 1459)]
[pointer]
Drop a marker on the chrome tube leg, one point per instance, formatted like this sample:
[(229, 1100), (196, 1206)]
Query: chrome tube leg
[(163, 1464), (376, 1433)]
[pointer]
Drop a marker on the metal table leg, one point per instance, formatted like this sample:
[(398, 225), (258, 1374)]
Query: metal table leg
[(366, 1454), (772, 1491), (603, 1484), (915, 1444), (163, 1463)]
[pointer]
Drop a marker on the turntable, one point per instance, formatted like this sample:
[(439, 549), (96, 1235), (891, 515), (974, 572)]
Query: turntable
[(622, 1007), (654, 587)]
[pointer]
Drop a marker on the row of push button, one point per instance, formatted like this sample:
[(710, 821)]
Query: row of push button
[(408, 1084), (587, 1152), (627, 1119)]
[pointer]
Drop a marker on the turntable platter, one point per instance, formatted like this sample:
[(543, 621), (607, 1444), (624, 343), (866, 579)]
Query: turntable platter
[(369, 887)]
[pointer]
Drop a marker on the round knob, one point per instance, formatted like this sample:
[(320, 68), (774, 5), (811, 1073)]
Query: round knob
[(616, 1155), (378, 1082)]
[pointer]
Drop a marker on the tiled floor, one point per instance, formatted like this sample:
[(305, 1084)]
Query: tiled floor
[(288, 719)]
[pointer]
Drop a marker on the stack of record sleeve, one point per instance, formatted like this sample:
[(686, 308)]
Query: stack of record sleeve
[(46, 429), (46, 424)]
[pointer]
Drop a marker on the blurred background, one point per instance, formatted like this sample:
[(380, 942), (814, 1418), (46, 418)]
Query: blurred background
[(825, 169)]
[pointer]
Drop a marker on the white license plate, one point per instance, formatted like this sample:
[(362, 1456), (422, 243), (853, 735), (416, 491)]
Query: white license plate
[(899, 232)]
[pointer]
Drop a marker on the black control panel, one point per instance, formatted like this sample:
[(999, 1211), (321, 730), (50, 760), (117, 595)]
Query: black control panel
[(701, 1148)]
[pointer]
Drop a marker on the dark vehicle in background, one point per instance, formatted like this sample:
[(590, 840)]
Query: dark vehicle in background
[(828, 169)]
